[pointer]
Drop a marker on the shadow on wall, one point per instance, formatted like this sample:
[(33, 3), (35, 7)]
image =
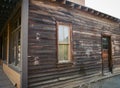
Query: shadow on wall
[(0, 62), (82, 69)]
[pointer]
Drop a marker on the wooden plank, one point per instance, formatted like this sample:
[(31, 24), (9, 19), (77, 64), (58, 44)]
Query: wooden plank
[(12, 75), (24, 43), (8, 31)]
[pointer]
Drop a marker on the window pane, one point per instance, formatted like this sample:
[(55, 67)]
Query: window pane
[(63, 53), (66, 52), (60, 34), (63, 32), (66, 34), (105, 43), (18, 49), (105, 46), (15, 47)]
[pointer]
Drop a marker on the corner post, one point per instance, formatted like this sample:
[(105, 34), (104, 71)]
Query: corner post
[(24, 43)]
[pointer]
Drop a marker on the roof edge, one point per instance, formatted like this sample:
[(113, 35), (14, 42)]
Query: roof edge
[(87, 9)]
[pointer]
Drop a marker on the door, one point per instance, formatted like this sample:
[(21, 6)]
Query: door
[(106, 54)]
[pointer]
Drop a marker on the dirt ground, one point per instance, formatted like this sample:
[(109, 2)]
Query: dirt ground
[(113, 82)]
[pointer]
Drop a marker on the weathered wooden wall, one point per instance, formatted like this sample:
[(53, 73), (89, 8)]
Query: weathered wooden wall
[(43, 69)]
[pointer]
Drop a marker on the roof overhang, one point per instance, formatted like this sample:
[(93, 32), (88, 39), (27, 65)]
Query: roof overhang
[(6, 8), (87, 9)]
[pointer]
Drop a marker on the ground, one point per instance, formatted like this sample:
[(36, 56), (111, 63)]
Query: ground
[(4, 81), (113, 82)]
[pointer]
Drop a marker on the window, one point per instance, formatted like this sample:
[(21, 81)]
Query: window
[(15, 47), (4, 45), (105, 42), (15, 43), (64, 45)]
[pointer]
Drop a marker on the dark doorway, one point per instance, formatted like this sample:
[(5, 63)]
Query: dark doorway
[(106, 54)]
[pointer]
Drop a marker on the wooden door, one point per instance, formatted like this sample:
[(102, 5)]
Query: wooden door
[(106, 54)]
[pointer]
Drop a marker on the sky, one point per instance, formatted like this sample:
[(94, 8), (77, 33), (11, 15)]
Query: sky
[(111, 7)]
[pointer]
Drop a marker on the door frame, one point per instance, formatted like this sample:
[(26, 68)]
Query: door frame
[(110, 61), (0, 61)]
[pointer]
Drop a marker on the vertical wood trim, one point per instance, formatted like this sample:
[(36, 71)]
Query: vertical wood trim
[(71, 42), (110, 56), (0, 49), (8, 29), (57, 42), (24, 43), (101, 55)]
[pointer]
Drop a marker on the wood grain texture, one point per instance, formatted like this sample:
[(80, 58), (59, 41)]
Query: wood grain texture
[(43, 69), (12, 75), (0, 62)]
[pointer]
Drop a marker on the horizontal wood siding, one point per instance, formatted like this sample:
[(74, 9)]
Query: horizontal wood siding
[(43, 69), (116, 51)]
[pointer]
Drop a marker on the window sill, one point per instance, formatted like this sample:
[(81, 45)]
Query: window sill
[(4, 61), (65, 64), (15, 68)]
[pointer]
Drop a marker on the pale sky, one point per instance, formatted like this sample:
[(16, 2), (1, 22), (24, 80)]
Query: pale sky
[(111, 7)]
